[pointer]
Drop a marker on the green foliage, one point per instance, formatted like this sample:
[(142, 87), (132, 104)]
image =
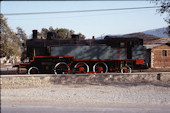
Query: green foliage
[(61, 33), (21, 35), (10, 43)]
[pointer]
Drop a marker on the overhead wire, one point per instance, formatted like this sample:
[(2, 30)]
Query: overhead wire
[(79, 11), (58, 17)]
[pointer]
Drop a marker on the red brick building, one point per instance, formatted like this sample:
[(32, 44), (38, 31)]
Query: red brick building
[(159, 55)]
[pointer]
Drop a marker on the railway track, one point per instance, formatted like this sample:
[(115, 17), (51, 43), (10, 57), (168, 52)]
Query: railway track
[(13, 71), (24, 73)]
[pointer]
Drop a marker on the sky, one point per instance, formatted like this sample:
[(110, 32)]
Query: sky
[(90, 24)]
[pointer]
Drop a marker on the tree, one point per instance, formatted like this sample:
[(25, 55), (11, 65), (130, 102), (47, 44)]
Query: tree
[(43, 32), (22, 41), (8, 40), (81, 36), (164, 9), (21, 35), (62, 33)]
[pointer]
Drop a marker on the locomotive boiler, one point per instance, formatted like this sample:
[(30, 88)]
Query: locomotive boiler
[(69, 56)]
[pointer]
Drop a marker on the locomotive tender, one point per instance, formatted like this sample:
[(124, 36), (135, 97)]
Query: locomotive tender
[(64, 56)]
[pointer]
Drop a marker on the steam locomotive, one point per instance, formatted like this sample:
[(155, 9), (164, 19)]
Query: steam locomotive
[(70, 56)]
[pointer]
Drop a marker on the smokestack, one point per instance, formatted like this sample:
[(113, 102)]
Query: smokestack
[(34, 34)]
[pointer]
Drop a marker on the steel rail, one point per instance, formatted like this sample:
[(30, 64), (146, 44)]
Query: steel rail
[(88, 74)]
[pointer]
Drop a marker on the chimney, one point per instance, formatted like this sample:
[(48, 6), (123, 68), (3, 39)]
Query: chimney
[(93, 38), (34, 34)]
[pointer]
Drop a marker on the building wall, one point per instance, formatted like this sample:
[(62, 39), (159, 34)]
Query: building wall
[(157, 58)]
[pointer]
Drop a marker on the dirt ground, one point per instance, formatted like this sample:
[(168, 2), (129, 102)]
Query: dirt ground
[(138, 97), (138, 94)]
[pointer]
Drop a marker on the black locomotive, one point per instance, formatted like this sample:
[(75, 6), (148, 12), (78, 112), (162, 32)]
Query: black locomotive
[(64, 56)]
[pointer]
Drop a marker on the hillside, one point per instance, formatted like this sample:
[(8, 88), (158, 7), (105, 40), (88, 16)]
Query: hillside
[(147, 35), (160, 32), (148, 39)]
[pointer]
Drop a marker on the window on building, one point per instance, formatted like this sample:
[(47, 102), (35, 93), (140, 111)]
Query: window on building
[(164, 53)]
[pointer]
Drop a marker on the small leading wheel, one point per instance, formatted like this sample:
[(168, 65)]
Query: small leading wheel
[(81, 67), (33, 70), (126, 69), (61, 68), (100, 67)]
